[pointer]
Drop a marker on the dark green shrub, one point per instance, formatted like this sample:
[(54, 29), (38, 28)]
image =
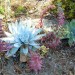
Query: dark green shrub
[(20, 10), (68, 6)]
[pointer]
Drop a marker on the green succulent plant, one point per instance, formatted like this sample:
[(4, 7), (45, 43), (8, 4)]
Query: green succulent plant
[(43, 50), (22, 36), (63, 32), (71, 36), (20, 10)]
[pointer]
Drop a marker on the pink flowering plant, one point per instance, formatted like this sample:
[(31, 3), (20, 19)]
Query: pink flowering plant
[(61, 17)]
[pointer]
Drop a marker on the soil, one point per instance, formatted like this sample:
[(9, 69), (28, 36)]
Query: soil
[(57, 62)]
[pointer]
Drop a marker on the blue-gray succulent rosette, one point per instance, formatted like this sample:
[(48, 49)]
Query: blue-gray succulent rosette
[(22, 36)]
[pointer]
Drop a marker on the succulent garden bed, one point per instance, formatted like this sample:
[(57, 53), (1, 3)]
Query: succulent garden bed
[(39, 46)]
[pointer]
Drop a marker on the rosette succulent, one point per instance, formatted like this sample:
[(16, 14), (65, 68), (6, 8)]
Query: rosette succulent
[(4, 46), (50, 40), (35, 62), (22, 36)]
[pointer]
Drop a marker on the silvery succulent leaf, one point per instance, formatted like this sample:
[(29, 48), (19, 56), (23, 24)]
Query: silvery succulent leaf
[(24, 50), (8, 39), (38, 31), (17, 45), (37, 37), (11, 52), (8, 34)]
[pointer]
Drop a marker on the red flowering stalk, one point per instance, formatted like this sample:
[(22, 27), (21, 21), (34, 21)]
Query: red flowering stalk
[(43, 13), (35, 62), (50, 40), (61, 16)]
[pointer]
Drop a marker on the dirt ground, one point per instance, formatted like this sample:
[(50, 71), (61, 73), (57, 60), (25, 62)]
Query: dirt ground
[(59, 62)]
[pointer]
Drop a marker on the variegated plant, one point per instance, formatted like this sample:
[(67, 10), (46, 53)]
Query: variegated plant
[(23, 36)]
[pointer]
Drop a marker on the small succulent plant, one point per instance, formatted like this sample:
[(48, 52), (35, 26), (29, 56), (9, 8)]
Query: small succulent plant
[(4, 46), (35, 62), (71, 35), (62, 32), (43, 50), (22, 36), (50, 40)]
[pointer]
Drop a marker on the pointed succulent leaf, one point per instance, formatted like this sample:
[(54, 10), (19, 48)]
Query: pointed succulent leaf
[(10, 28), (20, 27), (34, 44), (11, 52), (14, 27), (8, 34), (17, 45), (37, 46), (38, 31), (8, 39), (28, 23), (24, 50), (37, 37)]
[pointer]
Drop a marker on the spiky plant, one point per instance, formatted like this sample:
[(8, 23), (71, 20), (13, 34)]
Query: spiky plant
[(23, 36), (50, 40), (35, 62)]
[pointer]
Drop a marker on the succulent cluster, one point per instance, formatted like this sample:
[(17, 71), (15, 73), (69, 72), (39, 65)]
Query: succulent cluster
[(50, 40)]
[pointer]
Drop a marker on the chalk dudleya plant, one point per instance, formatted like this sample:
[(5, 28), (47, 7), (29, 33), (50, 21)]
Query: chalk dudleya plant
[(22, 36)]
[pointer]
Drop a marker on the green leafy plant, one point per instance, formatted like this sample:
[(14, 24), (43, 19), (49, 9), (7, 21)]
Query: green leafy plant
[(62, 32), (71, 35), (68, 6), (43, 50), (23, 36), (1, 10), (20, 10)]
